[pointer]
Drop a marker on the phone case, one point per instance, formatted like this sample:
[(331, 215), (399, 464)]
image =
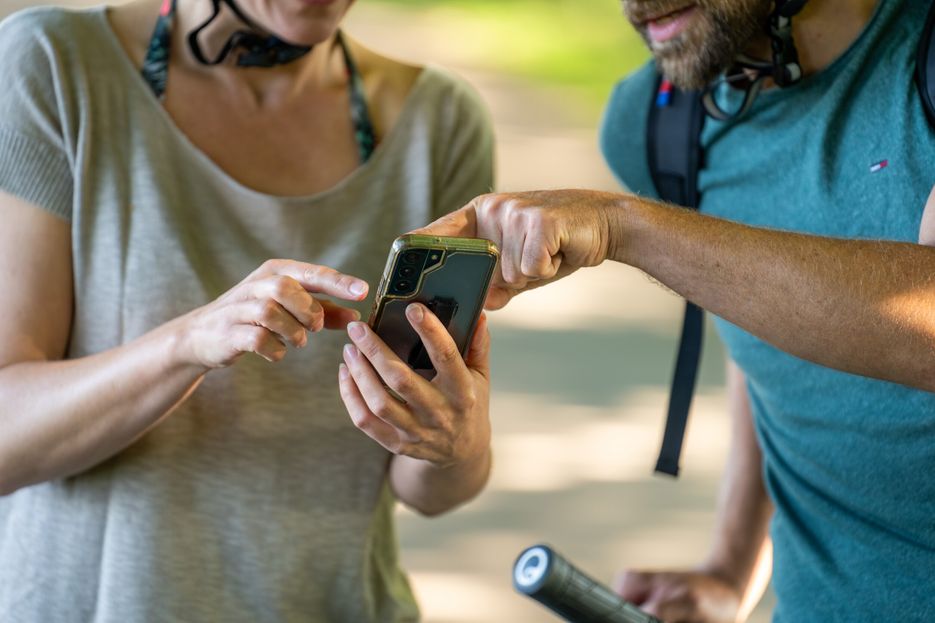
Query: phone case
[(450, 276)]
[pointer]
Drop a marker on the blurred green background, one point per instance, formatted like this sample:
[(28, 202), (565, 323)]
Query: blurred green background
[(581, 368), (580, 44)]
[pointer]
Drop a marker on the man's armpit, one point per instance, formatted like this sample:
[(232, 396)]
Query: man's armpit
[(927, 229)]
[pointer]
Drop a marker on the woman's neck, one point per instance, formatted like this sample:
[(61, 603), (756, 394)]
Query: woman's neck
[(322, 68)]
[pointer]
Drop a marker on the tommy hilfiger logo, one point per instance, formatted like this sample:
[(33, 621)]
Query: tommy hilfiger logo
[(879, 166)]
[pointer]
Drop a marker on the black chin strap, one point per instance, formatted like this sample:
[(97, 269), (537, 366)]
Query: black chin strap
[(784, 69), (254, 48)]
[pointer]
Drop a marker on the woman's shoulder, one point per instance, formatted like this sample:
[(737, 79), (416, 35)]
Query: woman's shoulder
[(35, 21), (393, 85), (49, 27), (47, 44), (444, 84), (42, 51)]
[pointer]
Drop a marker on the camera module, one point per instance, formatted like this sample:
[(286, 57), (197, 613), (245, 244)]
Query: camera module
[(412, 257)]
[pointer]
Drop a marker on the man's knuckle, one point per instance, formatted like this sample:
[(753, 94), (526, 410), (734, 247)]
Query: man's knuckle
[(272, 265), (515, 215), (487, 201), (268, 310), (256, 338), (278, 353), (282, 286)]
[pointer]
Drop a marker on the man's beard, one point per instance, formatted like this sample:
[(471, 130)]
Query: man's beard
[(719, 32)]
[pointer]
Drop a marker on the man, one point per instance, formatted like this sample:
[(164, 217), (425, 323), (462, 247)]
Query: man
[(810, 248)]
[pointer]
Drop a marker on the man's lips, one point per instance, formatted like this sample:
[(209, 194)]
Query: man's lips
[(643, 19), (669, 25)]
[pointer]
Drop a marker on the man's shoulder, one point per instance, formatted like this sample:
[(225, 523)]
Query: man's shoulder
[(635, 88), (623, 130)]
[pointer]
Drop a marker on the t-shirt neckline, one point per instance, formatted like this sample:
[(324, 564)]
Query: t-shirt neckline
[(387, 145)]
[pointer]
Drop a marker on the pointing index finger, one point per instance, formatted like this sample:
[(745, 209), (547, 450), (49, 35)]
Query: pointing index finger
[(461, 223), (319, 279)]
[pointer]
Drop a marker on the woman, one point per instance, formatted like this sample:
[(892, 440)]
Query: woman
[(152, 161)]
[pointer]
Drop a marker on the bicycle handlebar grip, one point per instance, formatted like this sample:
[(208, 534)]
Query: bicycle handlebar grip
[(550, 579)]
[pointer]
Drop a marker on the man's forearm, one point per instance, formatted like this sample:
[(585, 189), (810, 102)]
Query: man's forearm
[(866, 307), (432, 490)]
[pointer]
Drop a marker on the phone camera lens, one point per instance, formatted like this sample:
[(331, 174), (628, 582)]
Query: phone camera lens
[(403, 286), (412, 257), (407, 271)]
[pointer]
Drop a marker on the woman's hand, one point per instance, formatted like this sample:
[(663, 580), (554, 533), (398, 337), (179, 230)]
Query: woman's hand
[(443, 421), (682, 596), (272, 307)]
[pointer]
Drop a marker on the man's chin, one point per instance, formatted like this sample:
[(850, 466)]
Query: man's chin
[(685, 75)]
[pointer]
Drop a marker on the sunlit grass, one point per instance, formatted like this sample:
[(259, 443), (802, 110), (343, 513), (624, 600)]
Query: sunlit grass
[(586, 44)]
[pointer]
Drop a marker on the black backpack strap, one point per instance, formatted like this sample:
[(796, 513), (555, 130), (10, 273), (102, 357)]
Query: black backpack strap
[(925, 67), (675, 157), (673, 143)]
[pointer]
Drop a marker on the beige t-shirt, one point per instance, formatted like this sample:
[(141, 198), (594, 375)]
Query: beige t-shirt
[(257, 500)]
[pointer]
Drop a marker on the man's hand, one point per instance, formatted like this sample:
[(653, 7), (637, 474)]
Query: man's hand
[(682, 596), (543, 235)]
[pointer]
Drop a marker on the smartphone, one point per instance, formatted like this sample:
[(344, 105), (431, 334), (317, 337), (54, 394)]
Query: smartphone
[(450, 276)]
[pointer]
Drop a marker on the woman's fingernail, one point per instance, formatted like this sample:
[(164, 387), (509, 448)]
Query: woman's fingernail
[(356, 330), (415, 313), (356, 314), (343, 372), (350, 351), (358, 288)]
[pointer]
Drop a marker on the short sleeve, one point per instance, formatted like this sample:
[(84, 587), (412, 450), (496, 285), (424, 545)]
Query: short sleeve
[(468, 156), (34, 161)]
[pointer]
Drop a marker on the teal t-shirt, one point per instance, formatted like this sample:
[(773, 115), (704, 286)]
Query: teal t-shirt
[(848, 460)]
